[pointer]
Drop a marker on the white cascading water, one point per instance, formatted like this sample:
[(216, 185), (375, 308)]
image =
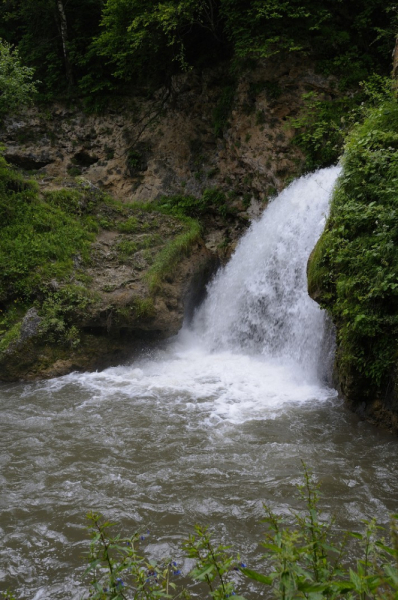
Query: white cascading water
[(259, 303)]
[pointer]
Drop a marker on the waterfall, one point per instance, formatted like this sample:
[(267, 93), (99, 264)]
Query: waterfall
[(258, 304), (258, 343)]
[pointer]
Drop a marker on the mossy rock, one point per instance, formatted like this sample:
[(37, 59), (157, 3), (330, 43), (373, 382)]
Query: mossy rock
[(97, 276), (353, 270)]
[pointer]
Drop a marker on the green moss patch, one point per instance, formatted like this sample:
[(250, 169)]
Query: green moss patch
[(172, 253)]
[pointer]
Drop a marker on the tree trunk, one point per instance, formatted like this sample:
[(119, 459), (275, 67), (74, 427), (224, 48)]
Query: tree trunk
[(210, 12), (64, 37)]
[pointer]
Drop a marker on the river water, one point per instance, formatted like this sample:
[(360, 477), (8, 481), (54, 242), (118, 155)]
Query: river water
[(205, 429)]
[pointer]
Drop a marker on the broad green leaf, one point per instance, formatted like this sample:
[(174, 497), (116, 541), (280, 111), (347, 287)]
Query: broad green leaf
[(257, 576), (392, 572), (356, 580)]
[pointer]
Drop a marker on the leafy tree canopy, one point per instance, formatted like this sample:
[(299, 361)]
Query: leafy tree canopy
[(16, 85), (101, 44)]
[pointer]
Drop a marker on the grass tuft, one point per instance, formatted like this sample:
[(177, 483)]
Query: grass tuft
[(168, 258)]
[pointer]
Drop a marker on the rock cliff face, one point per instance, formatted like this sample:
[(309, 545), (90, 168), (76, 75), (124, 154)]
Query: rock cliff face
[(208, 132), (205, 132)]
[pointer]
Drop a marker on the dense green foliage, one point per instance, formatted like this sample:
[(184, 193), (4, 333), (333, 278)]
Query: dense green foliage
[(305, 557), (16, 83), (34, 26), (354, 269), (93, 46), (348, 39), (322, 125)]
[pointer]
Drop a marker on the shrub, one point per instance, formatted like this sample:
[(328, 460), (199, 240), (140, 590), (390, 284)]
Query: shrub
[(16, 85), (60, 309)]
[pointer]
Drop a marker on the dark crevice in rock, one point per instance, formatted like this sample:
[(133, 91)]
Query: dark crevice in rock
[(198, 288), (84, 159), (28, 162)]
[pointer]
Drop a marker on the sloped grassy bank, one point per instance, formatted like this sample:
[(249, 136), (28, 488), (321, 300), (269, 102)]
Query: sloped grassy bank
[(84, 279), (353, 270)]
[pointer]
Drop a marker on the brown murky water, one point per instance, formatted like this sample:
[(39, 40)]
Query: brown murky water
[(164, 461)]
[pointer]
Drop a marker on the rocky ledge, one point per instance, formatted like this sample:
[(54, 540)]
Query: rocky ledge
[(140, 278)]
